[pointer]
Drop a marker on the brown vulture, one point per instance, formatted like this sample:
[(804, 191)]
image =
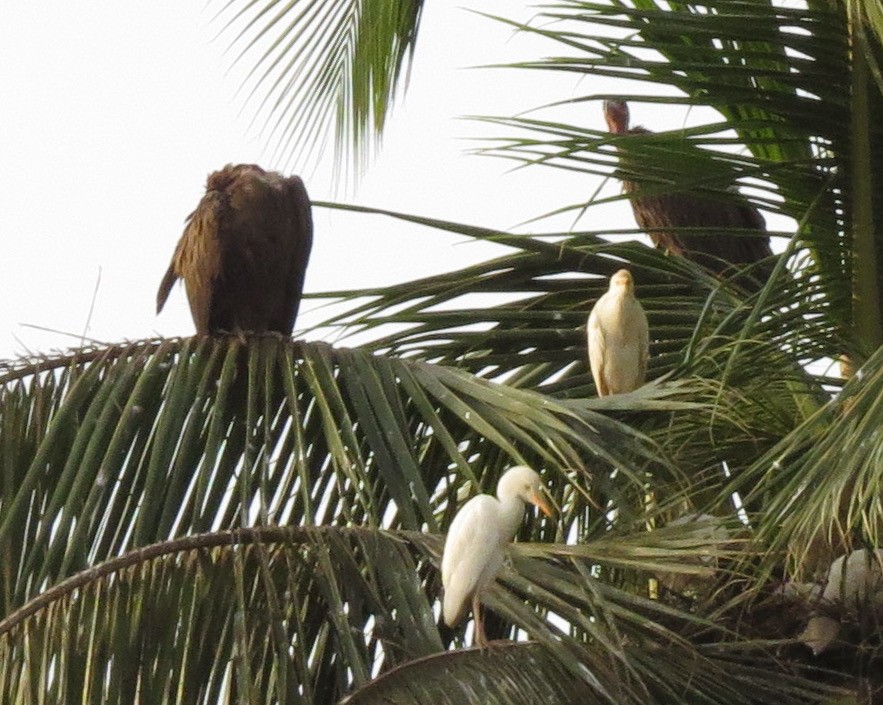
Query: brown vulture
[(619, 338), (662, 215), (244, 252)]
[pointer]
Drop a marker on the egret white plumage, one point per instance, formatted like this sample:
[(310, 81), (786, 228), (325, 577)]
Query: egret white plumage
[(477, 540), (619, 338), (855, 582)]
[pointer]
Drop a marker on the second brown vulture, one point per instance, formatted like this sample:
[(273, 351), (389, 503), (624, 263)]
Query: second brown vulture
[(663, 215), (244, 252)]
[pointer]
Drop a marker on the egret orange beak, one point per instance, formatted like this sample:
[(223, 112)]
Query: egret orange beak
[(544, 507)]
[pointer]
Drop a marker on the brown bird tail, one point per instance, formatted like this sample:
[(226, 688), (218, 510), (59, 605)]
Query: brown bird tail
[(165, 287)]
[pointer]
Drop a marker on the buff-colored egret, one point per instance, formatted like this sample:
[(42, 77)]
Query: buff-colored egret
[(477, 540), (619, 338)]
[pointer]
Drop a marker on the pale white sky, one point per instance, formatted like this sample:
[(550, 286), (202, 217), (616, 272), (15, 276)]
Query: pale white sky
[(114, 113)]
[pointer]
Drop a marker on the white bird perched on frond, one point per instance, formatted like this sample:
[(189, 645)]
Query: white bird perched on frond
[(855, 583), (477, 540), (619, 338)]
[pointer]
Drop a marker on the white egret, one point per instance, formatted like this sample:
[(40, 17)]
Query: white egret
[(619, 338), (477, 540), (855, 583)]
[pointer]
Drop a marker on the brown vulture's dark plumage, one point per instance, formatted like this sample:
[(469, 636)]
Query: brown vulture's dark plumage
[(244, 252), (661, 215)]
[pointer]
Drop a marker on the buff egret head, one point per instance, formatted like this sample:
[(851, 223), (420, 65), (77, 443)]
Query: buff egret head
[(523, 482), (618, 338), (477, 540), (622, 281)]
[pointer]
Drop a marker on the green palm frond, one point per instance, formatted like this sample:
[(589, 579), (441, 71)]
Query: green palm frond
[(110, 450), (311, 613), (819, 487), (511, 673), (124, 446), (525, 673), (791, 92), (329, 69), (735, 363), (264, 615), (549, 282)]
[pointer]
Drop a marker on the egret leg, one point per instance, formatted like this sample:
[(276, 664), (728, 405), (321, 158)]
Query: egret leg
[(480, 638)]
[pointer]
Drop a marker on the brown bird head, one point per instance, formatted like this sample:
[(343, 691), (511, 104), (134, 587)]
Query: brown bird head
[(616, 113), (622, 281), (223, 179)]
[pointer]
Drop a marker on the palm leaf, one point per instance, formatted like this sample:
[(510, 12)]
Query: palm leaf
[(525, 673), (819, 486), (245, 616), (549, 282), (308, 614), (514, 673), (780, 77), (324, 68), (120, 447), (723, 365)]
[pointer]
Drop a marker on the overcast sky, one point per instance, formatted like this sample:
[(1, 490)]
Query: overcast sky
[(114, 113)]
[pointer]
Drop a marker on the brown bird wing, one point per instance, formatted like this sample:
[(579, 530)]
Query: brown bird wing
[(298, 216), (197, 260), (165, 286), (201, 258), (662, 216)]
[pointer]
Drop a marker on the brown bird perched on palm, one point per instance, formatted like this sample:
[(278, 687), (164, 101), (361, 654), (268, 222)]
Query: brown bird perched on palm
[(244, 252), (619, 338), (662, 215)]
